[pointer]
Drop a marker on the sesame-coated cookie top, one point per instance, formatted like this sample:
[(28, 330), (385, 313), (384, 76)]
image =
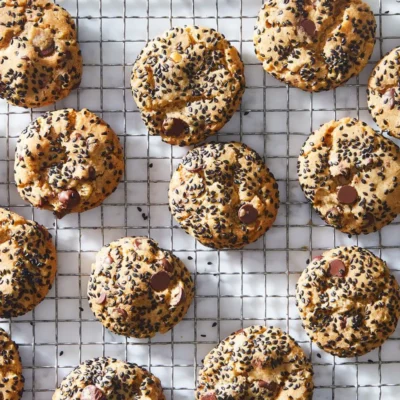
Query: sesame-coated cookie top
[(137, 289), (107, 378), (12, 381), (68, 161), (187, 84), (384, 93), (224, 195), (314, 45), (28, 264), (348, 301), (350, 175), (40, 58), (256, 363)]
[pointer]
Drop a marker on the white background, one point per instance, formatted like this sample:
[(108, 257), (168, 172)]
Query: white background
[(234, 288)]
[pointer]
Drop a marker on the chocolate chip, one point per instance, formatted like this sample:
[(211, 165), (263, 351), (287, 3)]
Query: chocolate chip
[(343, 323), (160, 281), (337, 269), (92, 173), (109, 260), (69, 198), (91, 392), (257, 363), (174, 127), (102, 298), (368, 220), (177, 296), (389, 98), (209, 396), (166, 265), (344, 176), (48, 51), (122, 312), (42, 202), (193, 165), (75, 137), (271, 386), (247, 214), (347, 194), (308, 26), (25, 58)]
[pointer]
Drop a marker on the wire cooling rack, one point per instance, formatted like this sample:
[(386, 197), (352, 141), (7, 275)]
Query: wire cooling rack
[(234, 288)]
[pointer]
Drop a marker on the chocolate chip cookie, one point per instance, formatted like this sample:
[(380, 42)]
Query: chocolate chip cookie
[(348, 300), (224, 195), (256, 363), (40, 57), (68, 161), (12, 381), (28, 262), (187, 83), (350, 175), (314, 45), (137, 289), (384, 93), (107, 378)]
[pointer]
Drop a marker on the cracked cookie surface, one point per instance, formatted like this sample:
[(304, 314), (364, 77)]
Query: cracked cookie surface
[(256, 363), (350, 175), (11, 378), (28, 264), (384, 93), (40, 57), (137, 289), (187, 83), (224, 195), (314, 45), (348, 300), (68, 161), (108, 378)]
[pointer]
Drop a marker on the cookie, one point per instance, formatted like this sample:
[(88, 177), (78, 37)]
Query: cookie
[(40, 57), (348, 300), (314, 45), (68, 161), (11, 378), (137, 289), (384, 93), (187, 83), (223, 195), (256, 363), (107, 378), (28, 262), (350, 175)]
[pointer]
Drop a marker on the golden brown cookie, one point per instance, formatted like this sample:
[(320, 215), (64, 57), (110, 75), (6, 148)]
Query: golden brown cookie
[(314, 45), (224, 195), (348, 300), (187, 83), (350, 174), (256, 363), (12, 381), (40, 57), (28, 264), (137, 289), (107, 378), (68, 161), (384, 93)]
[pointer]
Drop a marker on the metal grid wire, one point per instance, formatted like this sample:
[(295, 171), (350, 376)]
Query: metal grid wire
[(235, 288)]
